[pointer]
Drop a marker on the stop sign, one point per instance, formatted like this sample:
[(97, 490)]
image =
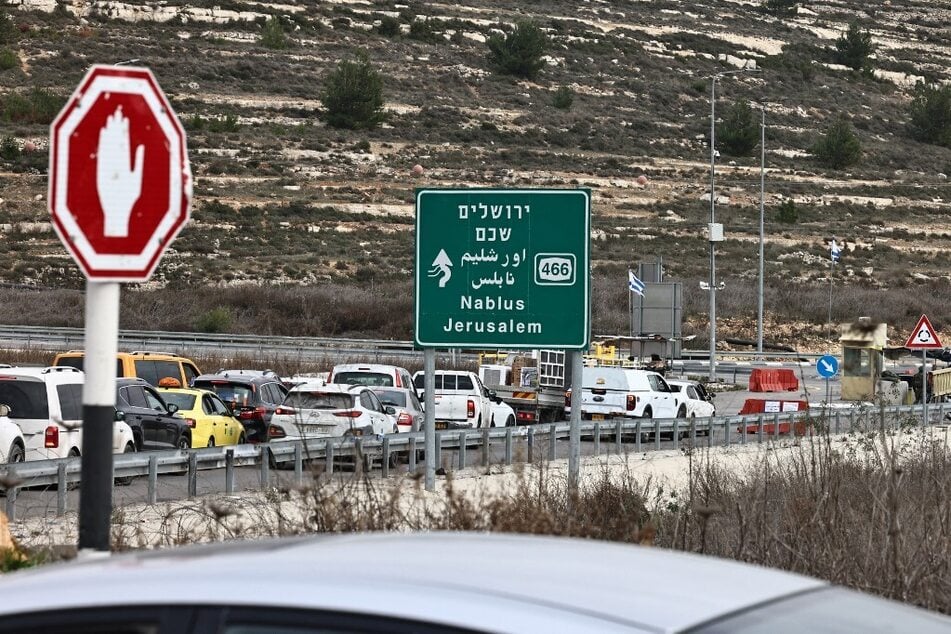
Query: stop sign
[(120, 184)]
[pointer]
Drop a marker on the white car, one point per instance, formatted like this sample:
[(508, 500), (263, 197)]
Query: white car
[(12, 445), (372, 374), (505, 584), (502, 413), (697, 406), (460, 399), (318, 410), (409, 411), (611, 392)]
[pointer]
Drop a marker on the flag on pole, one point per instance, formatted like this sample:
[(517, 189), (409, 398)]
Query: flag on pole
[(635, 284), (836, 251)]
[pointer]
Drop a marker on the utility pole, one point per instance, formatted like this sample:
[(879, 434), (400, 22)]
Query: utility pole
[(762, 235)]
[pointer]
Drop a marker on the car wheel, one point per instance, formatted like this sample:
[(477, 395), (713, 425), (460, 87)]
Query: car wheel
[(242, 439), (184, 442), (510, 421), (126, 481), (648, 413), (492, 424), (211, 441), (682, 412), (17, 454), (73, 453)]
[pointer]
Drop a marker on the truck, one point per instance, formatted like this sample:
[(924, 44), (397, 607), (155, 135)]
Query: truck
[(533, 384), (461, 399)]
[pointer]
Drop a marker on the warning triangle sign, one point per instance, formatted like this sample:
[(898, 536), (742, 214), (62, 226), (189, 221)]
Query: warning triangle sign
[(923, 336)]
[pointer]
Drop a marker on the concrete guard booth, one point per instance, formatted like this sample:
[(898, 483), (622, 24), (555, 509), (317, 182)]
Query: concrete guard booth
[(863, 344)]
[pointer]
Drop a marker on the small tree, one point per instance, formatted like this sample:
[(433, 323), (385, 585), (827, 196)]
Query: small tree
[(739, 132), (838, 147), (563, 98), (8, 30), (780, 7), (787, 214), (854, 47), (423, 31), (389, 26), (520, 52), (931, 114), (273, 34), (353, 95)]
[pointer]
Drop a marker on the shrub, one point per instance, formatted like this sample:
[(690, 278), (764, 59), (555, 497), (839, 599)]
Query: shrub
[(272, 36), (787, 214), (215, 320), (780, 7), (854, 47), (931, 114), (8, 59), (563, 98), (520, 52), (353, 95), (739, 132), (422, 31), (38, 106), (8, 30), (838, 147), (389, 26)]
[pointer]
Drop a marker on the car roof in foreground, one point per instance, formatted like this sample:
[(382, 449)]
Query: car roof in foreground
[(491, 582)]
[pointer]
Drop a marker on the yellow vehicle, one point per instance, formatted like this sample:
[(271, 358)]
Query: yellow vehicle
[(150, 366), (210, 419)]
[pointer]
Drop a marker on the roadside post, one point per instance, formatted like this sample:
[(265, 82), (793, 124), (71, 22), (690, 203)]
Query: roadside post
[(119, 192), (502, 269), (924, 338), (827, 366)]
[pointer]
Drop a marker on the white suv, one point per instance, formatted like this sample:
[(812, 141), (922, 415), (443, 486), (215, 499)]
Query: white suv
[(47, 405), (608, 392), (372, 374), (461, 400), (327, 410)]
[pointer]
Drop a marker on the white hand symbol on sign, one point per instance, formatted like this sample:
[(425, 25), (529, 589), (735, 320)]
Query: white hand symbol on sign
[(118, 185)]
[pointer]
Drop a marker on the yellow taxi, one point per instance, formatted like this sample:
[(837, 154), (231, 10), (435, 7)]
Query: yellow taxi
[(210, 419)]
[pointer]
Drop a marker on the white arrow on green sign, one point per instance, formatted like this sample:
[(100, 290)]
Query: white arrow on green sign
[(503, 268)]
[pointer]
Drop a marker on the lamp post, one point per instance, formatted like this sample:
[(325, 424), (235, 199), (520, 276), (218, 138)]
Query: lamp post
[(715, 230), (762, 235)]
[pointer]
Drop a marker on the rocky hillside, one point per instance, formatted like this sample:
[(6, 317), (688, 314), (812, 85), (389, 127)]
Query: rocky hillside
[(280, 198)]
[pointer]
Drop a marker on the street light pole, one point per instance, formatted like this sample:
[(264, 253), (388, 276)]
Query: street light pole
[(715, 231), (762, 236)]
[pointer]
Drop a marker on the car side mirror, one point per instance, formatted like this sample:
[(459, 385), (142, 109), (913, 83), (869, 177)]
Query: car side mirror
[(120, 415), (389, 409), (172, 408)]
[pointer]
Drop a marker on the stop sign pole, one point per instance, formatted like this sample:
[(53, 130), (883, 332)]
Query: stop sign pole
[(119, 192)]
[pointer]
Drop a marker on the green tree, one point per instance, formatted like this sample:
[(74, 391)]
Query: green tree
[(563, 98), (739, 132), (787, 214), (272, 36), (931, 114), (423, 31), (353, 95), (854, 47), (389, 26), (838, 147), (520, 52), (780, 7)]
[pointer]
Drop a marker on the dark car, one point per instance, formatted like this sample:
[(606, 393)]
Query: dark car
[(153, 421), (252, 396)]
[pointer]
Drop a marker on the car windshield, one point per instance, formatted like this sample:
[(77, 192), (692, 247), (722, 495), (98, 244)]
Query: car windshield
[(230, 392), (363, 378), (184, 401), (319, 400), (828, 610), (392, 397)]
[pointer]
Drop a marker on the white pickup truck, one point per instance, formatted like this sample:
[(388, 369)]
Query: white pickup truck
[(461, 399)]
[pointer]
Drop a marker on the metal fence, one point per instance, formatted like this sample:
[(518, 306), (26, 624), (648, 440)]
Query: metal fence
[(534, 443)]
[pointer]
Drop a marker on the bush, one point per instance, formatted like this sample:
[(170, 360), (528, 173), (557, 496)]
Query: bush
[(273, 34), (739, 132), (787, 214), (215, 320), (780, 7), (9, 149), (8, 59), (563, 98), (38, 106), (520, 52), (838, 147), (8, 30), (931, 114), (854, 47), (389, 26), (353, 95), (422, 31)]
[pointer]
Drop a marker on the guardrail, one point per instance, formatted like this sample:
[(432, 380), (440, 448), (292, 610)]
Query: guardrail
[(533, 442)]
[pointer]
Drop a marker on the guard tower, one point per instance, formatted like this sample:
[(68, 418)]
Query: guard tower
[(863, 344)]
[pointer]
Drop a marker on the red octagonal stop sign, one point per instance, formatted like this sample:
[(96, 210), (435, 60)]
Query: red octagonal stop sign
[(120, 183)]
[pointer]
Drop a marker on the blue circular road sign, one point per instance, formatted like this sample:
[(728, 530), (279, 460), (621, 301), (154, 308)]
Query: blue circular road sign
[(827, 366)]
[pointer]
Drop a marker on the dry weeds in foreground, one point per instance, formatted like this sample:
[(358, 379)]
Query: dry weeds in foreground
[(873, 514)]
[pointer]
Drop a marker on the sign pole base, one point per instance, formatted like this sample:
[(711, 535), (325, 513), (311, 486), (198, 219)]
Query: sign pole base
[(99, 415)]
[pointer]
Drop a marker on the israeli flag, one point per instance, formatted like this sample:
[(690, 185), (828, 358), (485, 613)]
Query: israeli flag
[(635, 284), (836, 251)]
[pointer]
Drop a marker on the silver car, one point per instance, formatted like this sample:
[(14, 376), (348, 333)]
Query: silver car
[(436, 582)]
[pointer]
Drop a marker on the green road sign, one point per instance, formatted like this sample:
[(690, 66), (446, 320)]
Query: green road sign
[(502, 268)]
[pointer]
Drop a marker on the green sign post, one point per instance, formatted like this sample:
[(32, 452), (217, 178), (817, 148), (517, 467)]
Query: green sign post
[(502, 268)]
